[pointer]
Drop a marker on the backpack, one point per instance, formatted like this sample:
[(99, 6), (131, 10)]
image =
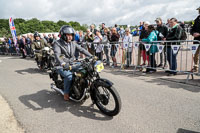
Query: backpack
[(183, 34)]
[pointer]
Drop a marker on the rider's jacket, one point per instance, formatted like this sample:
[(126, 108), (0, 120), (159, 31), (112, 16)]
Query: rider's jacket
[(64, 52), (39, 45)]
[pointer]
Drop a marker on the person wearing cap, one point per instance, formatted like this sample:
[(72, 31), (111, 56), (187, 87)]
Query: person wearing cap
[(195, 31), (173, 34), (162, 34)]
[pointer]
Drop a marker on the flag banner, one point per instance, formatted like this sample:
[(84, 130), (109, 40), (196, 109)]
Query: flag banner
[(147, 46), (117, 45), (175, 48), (136, 45), (109, 46), (125, 45), (160, 48), (194, 48), (13, 30)]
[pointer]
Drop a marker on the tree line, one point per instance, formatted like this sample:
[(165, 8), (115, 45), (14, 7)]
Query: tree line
[(30, 26)]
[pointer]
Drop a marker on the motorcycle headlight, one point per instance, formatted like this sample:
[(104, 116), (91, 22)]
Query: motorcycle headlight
[(98, 66), (46, 48)]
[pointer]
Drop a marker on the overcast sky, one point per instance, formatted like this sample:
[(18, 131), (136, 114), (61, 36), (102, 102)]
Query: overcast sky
[(129, 12)]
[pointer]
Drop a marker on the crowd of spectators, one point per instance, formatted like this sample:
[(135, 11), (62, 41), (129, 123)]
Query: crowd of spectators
[(100, 41)]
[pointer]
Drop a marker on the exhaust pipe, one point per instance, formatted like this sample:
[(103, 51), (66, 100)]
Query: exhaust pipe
[(61, 92), (57, 89)]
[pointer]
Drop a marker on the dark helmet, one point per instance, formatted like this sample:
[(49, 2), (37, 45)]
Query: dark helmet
[(36, 34), (66, 30)]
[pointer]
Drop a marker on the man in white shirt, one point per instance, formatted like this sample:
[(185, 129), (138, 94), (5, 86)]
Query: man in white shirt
[(128, 46)]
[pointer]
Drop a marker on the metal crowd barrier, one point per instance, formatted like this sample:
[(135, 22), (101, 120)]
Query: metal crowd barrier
[(184, 50)]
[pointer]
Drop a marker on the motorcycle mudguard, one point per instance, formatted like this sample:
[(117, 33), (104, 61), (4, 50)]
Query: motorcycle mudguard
[(104, 81), (100, 81)]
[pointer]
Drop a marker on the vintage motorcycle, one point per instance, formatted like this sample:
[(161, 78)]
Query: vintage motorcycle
[(48, 59), (87, 83)]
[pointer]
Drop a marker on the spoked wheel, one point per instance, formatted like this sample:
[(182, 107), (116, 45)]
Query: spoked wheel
[(107, 100)]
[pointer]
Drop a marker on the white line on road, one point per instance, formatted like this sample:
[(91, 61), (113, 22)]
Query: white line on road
[(0, 61)]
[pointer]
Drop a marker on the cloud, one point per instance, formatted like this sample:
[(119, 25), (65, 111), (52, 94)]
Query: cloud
[(98, 11)]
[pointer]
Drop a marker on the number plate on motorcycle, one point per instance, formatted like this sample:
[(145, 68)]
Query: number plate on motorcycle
[(99, 67)]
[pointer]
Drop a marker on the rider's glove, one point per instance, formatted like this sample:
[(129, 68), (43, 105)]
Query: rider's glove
[(67, 67), (95, 57)]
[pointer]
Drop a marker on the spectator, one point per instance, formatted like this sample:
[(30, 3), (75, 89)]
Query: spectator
[(162, 34), (141, 27), (55, 38), (114, 39), (50, 39), (152, 37), (121, 32), (45, 38), (28, 45), (128, 40), (167, 24), (97, 40), (80, 41), (76, 38), (116, 26), (134, 32), (102, 29), (106, 48), (81, 36), (142, 50), (22, 46), (9, 45), (195, 31), (174, 34), (92, 29), (89, 37)]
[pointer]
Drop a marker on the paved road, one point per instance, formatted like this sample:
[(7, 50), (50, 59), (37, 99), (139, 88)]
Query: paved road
[(149, 105)]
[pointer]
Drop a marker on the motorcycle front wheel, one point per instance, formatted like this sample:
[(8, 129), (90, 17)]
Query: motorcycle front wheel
[(107, 99)]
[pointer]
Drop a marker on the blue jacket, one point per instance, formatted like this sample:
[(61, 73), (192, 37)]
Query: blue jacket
[(152, 37), (76, 37)]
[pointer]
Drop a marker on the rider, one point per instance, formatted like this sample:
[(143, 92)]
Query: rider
[(64, 50), (37, 47)]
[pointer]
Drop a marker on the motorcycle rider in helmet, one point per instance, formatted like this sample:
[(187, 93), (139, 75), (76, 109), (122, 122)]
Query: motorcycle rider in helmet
[(64, 50), (37, 47)]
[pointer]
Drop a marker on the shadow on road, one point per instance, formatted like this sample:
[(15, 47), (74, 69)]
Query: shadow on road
[(180, 130), (160, 78), (32, 71), (48, 99)]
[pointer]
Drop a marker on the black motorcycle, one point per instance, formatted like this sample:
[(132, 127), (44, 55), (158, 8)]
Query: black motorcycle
[(48, 59), (87, 83)]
